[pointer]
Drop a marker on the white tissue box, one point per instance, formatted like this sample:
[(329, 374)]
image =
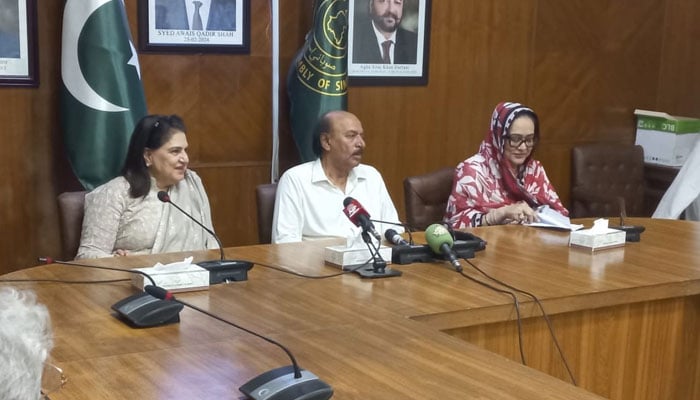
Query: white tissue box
[(343, 256), (597, 239), (178, 277)]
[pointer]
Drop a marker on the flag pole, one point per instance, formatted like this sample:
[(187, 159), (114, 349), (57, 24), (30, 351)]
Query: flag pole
[(274, 164)]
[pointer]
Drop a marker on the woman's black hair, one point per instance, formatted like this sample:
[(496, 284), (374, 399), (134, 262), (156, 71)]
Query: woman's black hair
[(151, 132)]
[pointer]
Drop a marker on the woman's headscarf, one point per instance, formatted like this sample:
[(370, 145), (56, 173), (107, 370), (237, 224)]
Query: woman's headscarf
[(493, 147)]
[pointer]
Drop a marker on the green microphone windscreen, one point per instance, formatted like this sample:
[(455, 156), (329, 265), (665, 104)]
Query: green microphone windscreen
[(436, 235)]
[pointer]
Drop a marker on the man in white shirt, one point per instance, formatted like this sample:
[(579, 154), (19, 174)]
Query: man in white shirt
[(309, 202), (684, 192)]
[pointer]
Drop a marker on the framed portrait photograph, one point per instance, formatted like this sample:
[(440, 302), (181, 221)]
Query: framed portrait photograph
[(194, 26), (388, 42), (18, 51)]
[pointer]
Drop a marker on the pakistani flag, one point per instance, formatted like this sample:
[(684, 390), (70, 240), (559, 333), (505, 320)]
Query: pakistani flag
[(317, 79), (102, 96)]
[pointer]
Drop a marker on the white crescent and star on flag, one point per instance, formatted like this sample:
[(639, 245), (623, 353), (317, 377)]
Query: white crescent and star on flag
[(78, 11)]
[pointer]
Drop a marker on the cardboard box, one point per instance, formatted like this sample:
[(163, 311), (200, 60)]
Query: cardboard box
[(593, 240), (346, 257), (666, 139)]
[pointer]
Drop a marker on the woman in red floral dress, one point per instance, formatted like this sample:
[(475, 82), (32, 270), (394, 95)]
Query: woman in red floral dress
[(502, 183)]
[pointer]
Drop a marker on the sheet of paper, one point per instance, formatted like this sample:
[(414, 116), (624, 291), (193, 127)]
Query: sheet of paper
[(549, 218)]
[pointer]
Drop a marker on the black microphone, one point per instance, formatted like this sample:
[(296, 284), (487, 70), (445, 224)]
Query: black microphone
[(359, 216), (406, 228), (140, 310), (219, 270), (394, 238), (289, 382)]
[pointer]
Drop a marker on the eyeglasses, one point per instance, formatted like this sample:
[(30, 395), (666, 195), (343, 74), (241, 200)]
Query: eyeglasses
[(52, 379), (516, 140)]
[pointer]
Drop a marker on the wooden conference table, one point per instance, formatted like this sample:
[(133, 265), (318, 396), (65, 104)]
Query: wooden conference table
[(626, 318)]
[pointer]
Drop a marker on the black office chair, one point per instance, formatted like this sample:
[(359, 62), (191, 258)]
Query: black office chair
[(71, 208), (425, 197), (265, 201), (607, 179)]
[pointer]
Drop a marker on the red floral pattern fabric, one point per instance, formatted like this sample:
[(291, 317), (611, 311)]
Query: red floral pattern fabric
[(484, 182)]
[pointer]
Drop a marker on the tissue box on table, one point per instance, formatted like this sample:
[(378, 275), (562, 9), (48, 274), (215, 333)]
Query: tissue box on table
[(597, 238), (179, 276), (345, 257), (354, 252)]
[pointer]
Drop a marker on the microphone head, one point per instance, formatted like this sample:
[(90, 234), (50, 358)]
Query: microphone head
[(389, 234), (164, 196), (353, 210), (158, 292), (436, 235)]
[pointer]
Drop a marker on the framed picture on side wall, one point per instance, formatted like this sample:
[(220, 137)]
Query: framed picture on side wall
[(388, 42), (18, 50), (194, 26)]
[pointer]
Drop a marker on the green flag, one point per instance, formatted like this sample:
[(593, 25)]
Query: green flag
[(317, 79), (102, 96)]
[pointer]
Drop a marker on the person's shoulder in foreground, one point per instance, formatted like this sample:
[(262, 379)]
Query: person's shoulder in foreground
[(25, 343)]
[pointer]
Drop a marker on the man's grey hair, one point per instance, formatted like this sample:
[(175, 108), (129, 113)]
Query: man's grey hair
[(25, 343)]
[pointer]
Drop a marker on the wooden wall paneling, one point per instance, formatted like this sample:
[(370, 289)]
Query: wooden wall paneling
[(591, 71), (17, 199), (680, 59), (598, 344), (27, 191), (231, 191), (296, 23)]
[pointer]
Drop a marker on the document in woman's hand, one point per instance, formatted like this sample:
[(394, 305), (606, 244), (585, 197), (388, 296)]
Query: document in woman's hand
[(549, 218)]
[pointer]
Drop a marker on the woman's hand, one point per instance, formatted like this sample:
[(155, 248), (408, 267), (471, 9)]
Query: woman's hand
[(518, 213), (120, 253)]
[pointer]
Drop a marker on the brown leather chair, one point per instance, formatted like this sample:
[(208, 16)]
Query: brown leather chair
[(71, 208), (603, 176), (265, 200), (426, 197)]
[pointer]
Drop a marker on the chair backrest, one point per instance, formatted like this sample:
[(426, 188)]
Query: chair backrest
[(71, 208), (604, 173), (426, 197), (265, 200)]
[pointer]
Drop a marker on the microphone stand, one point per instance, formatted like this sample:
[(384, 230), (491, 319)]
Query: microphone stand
[(220, 270), (379, 268), (284, 383)]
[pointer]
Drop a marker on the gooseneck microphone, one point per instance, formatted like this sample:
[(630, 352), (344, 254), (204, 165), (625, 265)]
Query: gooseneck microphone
[(359, 216), (288, 383), (219, 270), (49, 260), (140, 310), (440, 241), (394, 238)]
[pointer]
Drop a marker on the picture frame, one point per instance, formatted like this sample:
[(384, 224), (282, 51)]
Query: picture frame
[(408, 64), (169, 26), (18, 46)]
